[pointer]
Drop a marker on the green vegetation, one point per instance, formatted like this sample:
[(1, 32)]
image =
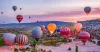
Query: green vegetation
[(98, 43), (34, 50), (46, 39), (50, 43), (2, 43), (76, 49), (15, 50)]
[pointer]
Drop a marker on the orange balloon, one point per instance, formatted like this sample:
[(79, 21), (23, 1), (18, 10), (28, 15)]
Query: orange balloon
[(78, 26), (51, 27)]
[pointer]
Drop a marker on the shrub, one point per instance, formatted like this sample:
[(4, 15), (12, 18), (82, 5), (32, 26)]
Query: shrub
[(15, 50), (69, 48), (2, 43), (98, 43), (76, 48)]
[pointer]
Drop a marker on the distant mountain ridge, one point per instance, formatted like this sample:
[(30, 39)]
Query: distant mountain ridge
[(58, 23)]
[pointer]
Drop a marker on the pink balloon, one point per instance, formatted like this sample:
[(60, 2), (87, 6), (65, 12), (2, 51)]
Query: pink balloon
[(84, 36), (43, 28), (78, 26), (65, 32)]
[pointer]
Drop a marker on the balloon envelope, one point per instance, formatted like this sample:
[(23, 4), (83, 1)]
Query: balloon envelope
[(14, 8), (84, 36), (98, 19), (65, 32), (21, 39), (51, 27), (78, 26), (71, 27), (19, 18), (1, 12), (58, 30), (20, 8), (36, 32), (9, 38), (87, 10), (43, 28)]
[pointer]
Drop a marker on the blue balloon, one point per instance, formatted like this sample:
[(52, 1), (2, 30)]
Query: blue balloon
[(14, 8), (9, 38), (58, 30), (37, 32)]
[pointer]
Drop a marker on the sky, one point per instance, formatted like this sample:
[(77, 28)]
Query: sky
[(48, 10)]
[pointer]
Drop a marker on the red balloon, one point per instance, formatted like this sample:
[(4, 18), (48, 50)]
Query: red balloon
[(65, 32), (19, 18), (84, 36)]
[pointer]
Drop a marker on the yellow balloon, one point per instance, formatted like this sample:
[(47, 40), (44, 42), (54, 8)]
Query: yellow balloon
[(98, 19), (51, 27), (71, 27)]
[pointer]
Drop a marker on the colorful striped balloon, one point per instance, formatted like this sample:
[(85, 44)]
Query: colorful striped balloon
[(65, 32), (21, 39), (84, 36)]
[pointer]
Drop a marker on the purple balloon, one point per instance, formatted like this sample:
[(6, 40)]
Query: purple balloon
[(9, 38)]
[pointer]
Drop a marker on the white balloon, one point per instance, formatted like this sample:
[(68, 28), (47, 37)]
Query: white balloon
[(9, 38)]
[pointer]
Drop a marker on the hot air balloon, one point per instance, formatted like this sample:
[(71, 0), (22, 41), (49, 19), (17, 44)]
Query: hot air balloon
[(58, 30), (51, 27), (37, 33), (71, 27), (84, 36), (9, 39), (1, 12), (98, 19), (37, 21), (87, 10), (14, 8), (29, 17), (65, 32), (43, 28), (19, 18), (21, 40), (20, 8), (78, 26)]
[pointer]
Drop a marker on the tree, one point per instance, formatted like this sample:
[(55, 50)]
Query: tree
[(76, 48)]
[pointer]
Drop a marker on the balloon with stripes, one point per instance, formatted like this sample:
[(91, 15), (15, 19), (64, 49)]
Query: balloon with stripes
[(84, 36), (65, 32), (21, 40)]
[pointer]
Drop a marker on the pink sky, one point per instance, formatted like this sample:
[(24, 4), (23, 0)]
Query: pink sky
[(43, 10)]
